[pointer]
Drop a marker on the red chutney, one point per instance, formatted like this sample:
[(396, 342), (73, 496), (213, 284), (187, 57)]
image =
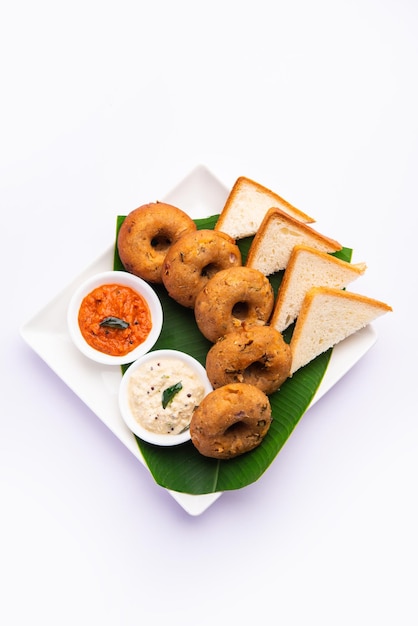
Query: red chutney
[(114, 301)]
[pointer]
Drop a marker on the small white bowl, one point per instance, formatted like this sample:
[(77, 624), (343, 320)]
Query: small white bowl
[(125, 409), (120, 278)]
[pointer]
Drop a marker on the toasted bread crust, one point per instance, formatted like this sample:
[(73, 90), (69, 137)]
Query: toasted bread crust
[(309, 267), (327, 317), (246, 206), (271, 247)]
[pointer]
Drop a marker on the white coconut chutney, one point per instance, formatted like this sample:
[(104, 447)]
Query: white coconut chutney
[(163, 394)]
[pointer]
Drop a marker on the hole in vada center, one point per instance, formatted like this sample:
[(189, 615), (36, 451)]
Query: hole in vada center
[(209, 270), (255, 370), (240, 310), (239, 428), (160, 242)]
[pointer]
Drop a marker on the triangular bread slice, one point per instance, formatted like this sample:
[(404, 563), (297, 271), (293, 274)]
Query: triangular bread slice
[(246, 206), (307, 268), (327, 317), (278, 234)]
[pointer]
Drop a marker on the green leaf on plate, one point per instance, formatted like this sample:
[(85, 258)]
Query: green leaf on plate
[(169, 393), (182, 468), (114, 322)]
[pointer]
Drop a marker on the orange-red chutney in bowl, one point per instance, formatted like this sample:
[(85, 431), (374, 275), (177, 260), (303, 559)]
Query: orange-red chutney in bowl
[(114, 319)]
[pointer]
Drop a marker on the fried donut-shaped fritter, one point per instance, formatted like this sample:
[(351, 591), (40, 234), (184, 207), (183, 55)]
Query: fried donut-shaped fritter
[(258, 356), (230, 421), (194, 259), (233, 298), (146, 235)]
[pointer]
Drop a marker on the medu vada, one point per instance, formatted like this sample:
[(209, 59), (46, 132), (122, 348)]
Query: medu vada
[(241, 296), (257, 355), (146, 235), (230, 421), (194, 259)]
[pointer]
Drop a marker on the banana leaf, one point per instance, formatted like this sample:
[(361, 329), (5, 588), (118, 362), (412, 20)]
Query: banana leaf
[(182, 468)]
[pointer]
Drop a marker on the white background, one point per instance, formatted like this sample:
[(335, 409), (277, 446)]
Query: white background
[(105, 106)]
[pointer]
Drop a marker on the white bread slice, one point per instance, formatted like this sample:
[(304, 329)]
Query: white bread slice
[(308, 267), (246, 206), (278, 234), (327, 317)]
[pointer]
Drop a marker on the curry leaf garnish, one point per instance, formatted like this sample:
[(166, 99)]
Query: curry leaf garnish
[(169, 393), (114, 322)]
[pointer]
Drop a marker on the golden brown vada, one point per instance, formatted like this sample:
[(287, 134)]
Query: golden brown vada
[(146, 235), (234, 297), (194, 259), (230, 421), (258, 356)]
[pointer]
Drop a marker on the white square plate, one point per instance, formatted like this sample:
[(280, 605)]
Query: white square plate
[(200, 194)]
